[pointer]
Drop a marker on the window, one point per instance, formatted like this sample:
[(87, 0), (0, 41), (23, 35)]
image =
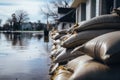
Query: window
[(117, 3), (83, 11), (106, 6), (93, 8)]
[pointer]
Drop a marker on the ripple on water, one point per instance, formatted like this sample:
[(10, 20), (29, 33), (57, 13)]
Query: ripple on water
[(3, 54)]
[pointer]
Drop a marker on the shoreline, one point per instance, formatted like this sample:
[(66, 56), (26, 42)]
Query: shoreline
[(23, 31)]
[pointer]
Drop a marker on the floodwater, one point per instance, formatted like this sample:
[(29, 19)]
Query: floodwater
[(24, 56)]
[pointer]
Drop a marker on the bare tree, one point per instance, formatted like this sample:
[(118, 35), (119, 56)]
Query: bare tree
[(9, 21), (49, 12), (51, 9), (21, 16)]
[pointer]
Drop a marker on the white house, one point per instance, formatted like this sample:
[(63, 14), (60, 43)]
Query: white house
[(87, 9), (27, 26)]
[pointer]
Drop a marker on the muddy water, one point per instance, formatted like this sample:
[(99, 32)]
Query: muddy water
[(24, 56)]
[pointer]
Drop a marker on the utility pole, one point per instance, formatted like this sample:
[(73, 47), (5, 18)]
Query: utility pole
[(115, 4), (46, 30), (47, 21)]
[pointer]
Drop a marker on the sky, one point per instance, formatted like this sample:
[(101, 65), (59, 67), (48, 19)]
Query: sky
[(32, 7)]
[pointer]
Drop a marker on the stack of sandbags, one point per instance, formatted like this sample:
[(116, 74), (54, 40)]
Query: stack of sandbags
[(86, 68), (57, 38), (104, 61), (92, 37), (99, 62), (59, 55), (93, 28), (104, 48), (87, 31)]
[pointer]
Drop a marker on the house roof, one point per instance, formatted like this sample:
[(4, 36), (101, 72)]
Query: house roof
[(76, 3), (62, 10), (69, 17)]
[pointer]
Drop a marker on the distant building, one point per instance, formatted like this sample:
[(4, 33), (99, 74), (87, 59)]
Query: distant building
[(32, 26), (87, 9), (27, 26)]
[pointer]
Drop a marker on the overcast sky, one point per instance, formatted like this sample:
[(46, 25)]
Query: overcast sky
[(7, 7)]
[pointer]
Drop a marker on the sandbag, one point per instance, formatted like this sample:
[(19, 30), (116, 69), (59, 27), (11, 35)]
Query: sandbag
[(89, 70), (53, 52), (73, 64), (64, 31), (56, 41), (62, 74), (57, 36), (71, 29), (76, 49), (52, 33), (65, 55), (116, 11), (53, 67), (82, 37), (105, 48), (54, 47), (65, 37), (109, 21), (86, 68), (58, 51)]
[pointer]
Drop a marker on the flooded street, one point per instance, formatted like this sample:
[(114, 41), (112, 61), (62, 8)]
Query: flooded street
[(24, 56)]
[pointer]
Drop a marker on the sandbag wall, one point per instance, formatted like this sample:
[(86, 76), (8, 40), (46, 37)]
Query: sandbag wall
[(88, 51)]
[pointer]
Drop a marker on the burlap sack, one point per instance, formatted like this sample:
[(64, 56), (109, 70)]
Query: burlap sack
[(56, 41), (57, 52), (57, 36), (73, 64), (109, 21), (105, 48), (63, 38), (82, 37), (64, 31), (62, 74), (65, 55), (86, 68), (89, 70)]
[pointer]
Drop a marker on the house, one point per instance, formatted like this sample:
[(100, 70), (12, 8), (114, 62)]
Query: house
[(32, 26), (87, 9), (27, 26), (66, 17)]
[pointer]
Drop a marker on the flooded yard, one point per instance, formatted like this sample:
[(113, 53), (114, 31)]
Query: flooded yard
[(24, 56)]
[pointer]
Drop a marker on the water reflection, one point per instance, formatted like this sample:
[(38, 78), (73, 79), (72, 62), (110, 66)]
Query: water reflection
[(24, 56), (21, 38)]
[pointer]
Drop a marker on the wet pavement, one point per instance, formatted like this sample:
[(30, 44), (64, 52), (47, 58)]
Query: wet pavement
[(24, 56)]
